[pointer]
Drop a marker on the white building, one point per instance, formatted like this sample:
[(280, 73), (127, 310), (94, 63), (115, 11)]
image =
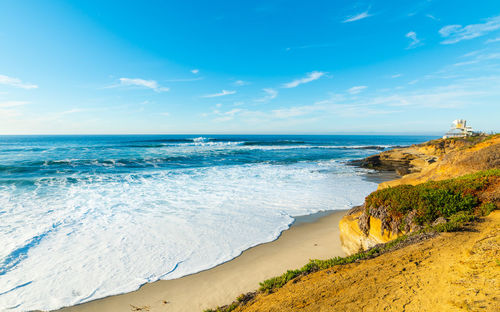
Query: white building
[(459, 129)]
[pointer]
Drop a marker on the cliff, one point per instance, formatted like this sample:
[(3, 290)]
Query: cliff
[(425, 242), (456, 271), (436, 160)]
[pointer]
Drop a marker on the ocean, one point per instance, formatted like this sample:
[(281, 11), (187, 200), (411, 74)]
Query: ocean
[(85, 217)]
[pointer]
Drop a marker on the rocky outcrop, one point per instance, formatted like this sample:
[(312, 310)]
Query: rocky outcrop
[(401, 160), (354, 239), (458, 160), (431, 161)]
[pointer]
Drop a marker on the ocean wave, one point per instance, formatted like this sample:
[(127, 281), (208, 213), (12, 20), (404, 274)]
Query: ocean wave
[(204, 154), (200, 217), (21, 253), (270, 143)]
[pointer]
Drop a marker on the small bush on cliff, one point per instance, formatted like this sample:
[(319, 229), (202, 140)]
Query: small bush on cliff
[(408, 208)]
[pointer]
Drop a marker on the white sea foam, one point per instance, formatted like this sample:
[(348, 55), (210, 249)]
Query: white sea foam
[(69, 241)]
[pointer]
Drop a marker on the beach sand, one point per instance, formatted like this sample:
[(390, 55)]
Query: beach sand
[(310, 237)]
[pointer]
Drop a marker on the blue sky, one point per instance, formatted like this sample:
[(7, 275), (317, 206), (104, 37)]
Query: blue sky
[(86, 67)]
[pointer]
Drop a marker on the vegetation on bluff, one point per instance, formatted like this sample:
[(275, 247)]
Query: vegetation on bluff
[(458, 201), (407, 208)]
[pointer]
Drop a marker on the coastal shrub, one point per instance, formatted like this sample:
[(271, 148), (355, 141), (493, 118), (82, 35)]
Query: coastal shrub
[(407, 207), (456, 222), (315, 265), (279, 281), (486, 208)]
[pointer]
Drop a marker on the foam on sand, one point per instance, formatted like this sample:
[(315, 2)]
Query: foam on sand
[(73, 239)]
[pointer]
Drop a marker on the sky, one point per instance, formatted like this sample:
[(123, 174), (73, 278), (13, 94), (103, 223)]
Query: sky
[(248, 67)]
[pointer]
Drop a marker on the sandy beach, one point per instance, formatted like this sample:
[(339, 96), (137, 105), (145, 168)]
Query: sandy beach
[(314, 236)]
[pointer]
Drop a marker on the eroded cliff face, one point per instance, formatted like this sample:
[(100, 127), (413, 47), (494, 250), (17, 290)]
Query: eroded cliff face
[(354, 239), (432, 161), (450, 272)]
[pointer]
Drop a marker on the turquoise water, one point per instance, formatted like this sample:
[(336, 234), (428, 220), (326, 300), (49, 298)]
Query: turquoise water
[(85, 217)]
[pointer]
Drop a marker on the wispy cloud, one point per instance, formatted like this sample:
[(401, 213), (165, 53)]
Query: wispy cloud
[(315, 75), (357, 17), (447, 98), (432, 17), (224, 92), (195, 71), (492, 40), (457, 33), (16, 82), (414, 40), (270, 94), (240, 83), (396, 75), (7, 104), (150, 84), (226, 116), (356, 89), (295, 111), (477, 58)]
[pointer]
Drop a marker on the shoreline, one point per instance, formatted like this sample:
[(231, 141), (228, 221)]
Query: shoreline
[(313, 236), (308, 237)]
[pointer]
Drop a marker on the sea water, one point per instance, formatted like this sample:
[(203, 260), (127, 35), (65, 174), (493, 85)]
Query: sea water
[(84, 217)]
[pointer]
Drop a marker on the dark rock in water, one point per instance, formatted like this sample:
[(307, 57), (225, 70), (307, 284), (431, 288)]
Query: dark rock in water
[(401, 165)]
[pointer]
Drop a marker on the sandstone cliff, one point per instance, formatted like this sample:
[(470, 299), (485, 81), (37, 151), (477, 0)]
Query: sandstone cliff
[(456, 271), (431, 161)]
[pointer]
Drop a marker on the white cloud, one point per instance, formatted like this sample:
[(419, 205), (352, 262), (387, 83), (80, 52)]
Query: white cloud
[(432, 17), (195, 71), (218, 105), (12, 103), (466, 63), (414, 40), (357, 17), (226, 116), (356, 89), (150, 84), (478, 58), (241, 83), (15, 82), (224, 92), (492, 40), (396, 75), (166, 114), (295, 111), (270, 94), (310, 77), (457, 33), (413, 81)]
